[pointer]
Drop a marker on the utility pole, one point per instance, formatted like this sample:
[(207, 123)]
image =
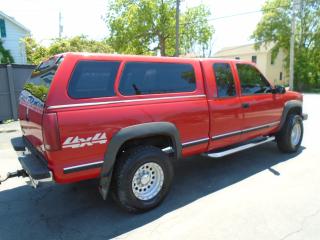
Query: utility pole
[(292, 38), (60, 25), (177, 28)]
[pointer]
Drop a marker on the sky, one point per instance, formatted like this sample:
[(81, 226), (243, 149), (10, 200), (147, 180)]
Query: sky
[(41, 17)]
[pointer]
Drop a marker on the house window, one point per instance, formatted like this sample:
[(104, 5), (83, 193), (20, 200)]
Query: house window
[(280, 76), (272, 61), (237, 58), (254, 59), (3, 33)]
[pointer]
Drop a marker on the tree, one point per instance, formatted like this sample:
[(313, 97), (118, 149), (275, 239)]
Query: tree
[(196, 30), (145, 26), (78, 44), (36, 53), (5, 55), (275, 27)]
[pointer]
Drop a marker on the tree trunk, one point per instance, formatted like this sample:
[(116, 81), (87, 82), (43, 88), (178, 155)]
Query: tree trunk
[(162, 43)]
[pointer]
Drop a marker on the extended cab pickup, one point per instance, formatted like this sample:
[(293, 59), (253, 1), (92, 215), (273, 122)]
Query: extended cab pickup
[(123, 119)]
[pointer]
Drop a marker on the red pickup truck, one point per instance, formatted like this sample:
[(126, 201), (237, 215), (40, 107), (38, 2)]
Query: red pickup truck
[(124, 119)]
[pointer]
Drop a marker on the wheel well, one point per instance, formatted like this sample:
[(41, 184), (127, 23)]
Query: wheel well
[(295, 110), (160, 141)]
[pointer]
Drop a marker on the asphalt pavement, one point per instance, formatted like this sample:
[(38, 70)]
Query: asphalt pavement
[(255, 194)]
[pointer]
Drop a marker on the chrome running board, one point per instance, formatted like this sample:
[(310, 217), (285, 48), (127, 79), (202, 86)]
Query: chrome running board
[(238, 148)]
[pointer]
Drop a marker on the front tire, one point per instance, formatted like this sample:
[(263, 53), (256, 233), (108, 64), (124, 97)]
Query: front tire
[(290, 137), (142, 178)]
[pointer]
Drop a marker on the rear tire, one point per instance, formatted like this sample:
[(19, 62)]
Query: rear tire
[(142, 178), (290, 137)]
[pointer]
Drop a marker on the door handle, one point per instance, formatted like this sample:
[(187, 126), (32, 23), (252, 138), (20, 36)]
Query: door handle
[(245, 105)]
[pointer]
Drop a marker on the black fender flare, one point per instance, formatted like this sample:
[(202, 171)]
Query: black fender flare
[(287, 107), (131, 132)]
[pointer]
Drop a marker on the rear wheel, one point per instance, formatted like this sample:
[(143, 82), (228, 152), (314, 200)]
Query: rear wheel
[(142, 178), (290, 137)]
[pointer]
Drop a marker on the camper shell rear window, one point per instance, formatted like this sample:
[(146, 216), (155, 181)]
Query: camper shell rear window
[(41, 78)]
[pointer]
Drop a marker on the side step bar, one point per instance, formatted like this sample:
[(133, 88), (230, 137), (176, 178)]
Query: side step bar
[(238, 148)]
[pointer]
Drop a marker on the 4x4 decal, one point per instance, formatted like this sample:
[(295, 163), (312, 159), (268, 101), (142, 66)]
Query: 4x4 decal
[(77, 142)]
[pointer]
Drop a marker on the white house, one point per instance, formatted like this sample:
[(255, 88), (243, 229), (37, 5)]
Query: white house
[(11, 33)]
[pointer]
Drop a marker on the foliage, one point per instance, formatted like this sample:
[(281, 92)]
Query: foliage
[(39, 91), (36, 53), (78, 44), (5, 55), (275, 27), (145, 26), (196, 30)]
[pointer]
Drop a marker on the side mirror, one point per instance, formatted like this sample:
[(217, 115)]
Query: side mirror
[(279, 89)]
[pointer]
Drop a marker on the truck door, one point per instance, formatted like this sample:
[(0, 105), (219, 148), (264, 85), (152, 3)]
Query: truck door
[(261, 109), (226, 118)]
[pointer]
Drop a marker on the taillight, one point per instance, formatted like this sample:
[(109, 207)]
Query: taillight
[(50, 131)]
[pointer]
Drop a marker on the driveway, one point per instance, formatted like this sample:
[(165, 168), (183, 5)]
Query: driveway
[(256, 194)]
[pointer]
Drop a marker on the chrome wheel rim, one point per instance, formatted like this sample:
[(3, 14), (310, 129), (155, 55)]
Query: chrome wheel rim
[(147, 181), (296, 134)]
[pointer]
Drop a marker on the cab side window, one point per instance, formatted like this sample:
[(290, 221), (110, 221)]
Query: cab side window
[(252, 81), (139, 78), (224, 80)]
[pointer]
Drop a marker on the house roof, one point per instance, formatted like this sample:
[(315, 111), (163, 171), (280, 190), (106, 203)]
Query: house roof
[(11, 19), (242, 49)]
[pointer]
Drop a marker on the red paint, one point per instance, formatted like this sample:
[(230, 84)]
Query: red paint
[(196, 118)]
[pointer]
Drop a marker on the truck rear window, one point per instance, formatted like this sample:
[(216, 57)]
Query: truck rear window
[(152, 78), (38, 85), (93, 79)]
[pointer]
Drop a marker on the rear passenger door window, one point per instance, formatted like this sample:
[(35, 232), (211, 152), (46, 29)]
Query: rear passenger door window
[(224, 80), (252, 81), (141, 78), (93, 79)]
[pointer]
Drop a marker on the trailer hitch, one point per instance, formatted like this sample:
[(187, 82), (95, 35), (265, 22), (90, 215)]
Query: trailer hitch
[(18, 173)]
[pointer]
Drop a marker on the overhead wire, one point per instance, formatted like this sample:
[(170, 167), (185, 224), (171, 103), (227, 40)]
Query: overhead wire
[(242, 13)]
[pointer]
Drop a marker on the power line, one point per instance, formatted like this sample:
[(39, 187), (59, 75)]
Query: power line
[(244, 13), (234, 15)]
